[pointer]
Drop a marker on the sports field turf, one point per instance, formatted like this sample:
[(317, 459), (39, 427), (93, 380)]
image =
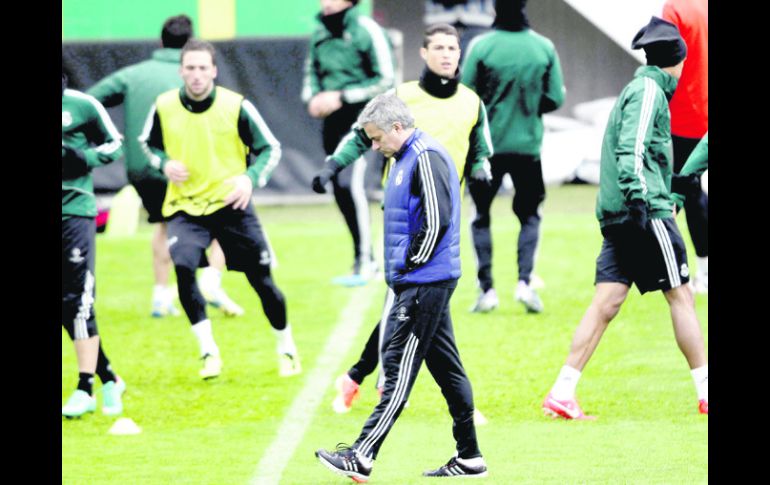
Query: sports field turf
[(216, 432)]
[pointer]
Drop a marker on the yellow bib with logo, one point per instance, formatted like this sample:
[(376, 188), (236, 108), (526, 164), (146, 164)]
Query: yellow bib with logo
[(448, 120), (207, 144)]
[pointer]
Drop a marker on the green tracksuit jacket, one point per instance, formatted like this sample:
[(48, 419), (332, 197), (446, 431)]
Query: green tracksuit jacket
[(136, 87), (637, 155), (87, 128), (358, 62), (518, 76)]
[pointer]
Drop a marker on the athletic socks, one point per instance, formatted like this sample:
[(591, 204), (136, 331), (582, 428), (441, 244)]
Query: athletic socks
[(285, 341), (210, 278), (203, 332), (472, 462), (564, 388), (86, 382), (700, 376), (103, 369)]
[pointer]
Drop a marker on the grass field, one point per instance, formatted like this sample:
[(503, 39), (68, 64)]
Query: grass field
[(216, 432)]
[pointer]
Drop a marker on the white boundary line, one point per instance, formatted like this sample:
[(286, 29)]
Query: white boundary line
[(296, 420)]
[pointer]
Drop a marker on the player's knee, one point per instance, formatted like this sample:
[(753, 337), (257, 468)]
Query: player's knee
[(608, 305), (80, 327), (185, 275), (681, 295)]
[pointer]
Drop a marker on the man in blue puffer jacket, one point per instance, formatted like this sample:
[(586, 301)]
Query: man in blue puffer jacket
[(422, 264)]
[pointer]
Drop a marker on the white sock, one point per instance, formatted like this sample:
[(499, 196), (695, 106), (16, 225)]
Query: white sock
[(202, 330), (564, 387), (159, 293), (210, 278), (703, 265), (472, 462), (700, 376), (285, 341)]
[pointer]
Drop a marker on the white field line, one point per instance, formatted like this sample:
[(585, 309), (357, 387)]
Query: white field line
[(317, 382)]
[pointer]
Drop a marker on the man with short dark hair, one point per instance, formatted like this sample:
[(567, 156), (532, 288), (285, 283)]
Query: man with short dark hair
[(135, 87), (642, 244), (202, 137), (422, 266)]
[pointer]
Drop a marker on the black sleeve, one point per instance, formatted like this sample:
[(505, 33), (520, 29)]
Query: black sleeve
[(431, 182)]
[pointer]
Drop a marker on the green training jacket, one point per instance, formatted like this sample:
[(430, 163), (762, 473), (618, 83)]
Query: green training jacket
[(637, 155), (358, 61), (519, 78), (136, 87), (86, 127)]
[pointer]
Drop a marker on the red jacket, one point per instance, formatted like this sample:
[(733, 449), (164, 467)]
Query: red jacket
[(690, 104)]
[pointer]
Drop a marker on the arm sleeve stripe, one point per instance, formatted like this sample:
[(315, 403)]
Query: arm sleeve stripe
[(384, 60), (487, 133), (648, 102), (103, 115), (275, 146), (431, 209), (307, 89), (154, 159)]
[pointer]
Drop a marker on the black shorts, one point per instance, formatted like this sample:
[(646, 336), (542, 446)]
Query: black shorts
[(77, 276), (152, 191), (238, 232), (655, 259)]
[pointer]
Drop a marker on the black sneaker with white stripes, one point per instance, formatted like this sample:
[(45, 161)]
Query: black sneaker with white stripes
[(454, 468), (345, 462)]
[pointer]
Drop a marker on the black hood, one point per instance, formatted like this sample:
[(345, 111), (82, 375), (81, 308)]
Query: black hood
[(511, 15)]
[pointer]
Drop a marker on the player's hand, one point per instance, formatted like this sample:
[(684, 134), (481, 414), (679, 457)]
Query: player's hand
[(314, 107), (324, 103), (483, 174), (240, 197), (638, 211), (176, 171), (73, 163), (321, 178), (687, 185)]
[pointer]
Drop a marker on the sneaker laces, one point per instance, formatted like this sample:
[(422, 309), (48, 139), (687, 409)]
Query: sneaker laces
[(343, 447)]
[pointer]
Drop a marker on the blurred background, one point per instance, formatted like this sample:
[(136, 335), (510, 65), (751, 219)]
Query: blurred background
[(262, 45)]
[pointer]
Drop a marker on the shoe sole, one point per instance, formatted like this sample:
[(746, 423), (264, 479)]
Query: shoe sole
[(475, 475), (482, 310), (112, 412), (530, 309), (76, 416), (556, 415), (356, 477)]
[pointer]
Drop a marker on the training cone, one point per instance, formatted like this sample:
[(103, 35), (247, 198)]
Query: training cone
[(125, 426)]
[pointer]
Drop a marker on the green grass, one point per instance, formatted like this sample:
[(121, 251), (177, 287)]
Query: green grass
[(196, 432)]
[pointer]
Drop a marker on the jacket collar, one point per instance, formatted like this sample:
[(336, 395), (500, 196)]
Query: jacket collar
[(167, 55), (336, 23), (408, 143), (197, 106), (666, 81), (438, 86)]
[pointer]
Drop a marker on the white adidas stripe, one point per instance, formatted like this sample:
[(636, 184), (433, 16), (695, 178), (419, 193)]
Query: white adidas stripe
[(668, 252), (431, 210), (84, 310), (402, 382)]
